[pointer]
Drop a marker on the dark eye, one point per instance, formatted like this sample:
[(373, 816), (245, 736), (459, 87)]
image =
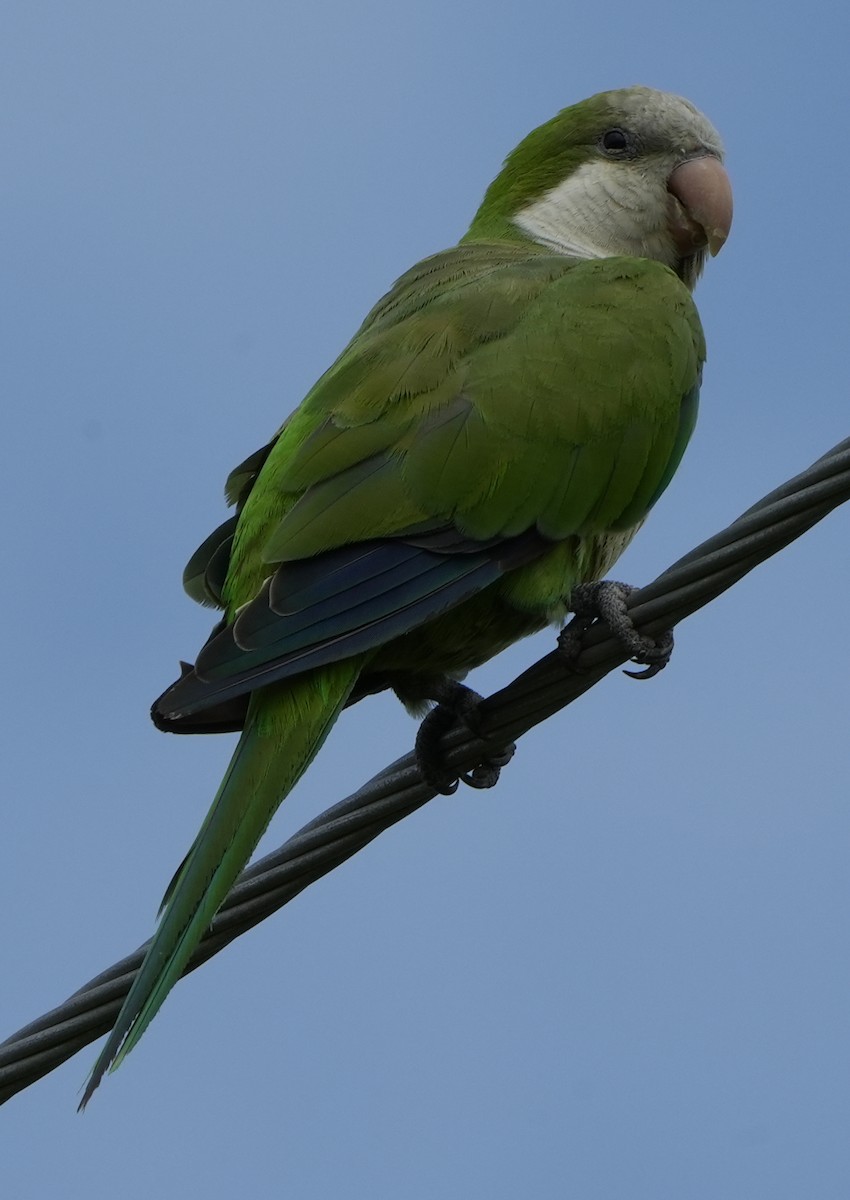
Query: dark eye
[(614, 140)]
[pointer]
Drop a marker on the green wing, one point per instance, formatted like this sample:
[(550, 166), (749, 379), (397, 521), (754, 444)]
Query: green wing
[(499, 400)]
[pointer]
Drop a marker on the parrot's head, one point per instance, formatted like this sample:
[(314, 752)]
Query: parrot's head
[(635, 172)]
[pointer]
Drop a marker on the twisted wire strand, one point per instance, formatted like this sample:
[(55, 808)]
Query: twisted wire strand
[(545, 688)]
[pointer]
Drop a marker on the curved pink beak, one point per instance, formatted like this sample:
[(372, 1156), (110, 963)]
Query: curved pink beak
[(704, 192)]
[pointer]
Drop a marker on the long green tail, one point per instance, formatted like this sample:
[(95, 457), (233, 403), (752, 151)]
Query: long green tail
[(286, 726)]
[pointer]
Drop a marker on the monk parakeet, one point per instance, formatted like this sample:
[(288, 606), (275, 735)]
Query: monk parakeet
[(493, 436)]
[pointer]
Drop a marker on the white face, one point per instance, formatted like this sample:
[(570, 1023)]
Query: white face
[(602, 210)]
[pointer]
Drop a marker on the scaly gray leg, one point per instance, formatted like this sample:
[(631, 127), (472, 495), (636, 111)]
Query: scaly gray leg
[(605, 600), (454, 703)]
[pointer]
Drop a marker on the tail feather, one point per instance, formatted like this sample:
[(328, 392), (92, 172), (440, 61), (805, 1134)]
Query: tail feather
[(286, 726)]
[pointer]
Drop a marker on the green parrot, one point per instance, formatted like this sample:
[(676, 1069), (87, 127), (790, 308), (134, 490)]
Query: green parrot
[(492, 437)]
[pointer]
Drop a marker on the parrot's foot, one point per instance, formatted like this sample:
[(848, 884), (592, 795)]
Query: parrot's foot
[(455, 703), (605, 600)]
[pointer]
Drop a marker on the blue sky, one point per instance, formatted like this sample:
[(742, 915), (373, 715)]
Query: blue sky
[(624, 972)]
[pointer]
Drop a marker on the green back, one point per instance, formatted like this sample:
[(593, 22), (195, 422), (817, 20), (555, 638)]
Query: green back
[(496, 387)]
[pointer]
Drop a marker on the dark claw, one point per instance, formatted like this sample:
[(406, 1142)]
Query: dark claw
[(426, 748), (455, 703), (606, 600), (647, 673), (486, 774), (660, 652)]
